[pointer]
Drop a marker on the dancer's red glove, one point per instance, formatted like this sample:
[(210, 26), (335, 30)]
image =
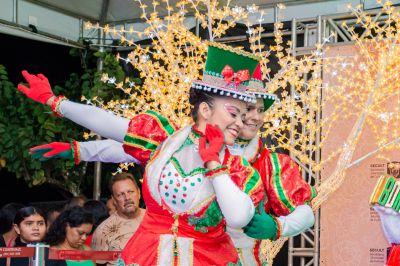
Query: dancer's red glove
[(52, 150), (213, 135), (39, 90)]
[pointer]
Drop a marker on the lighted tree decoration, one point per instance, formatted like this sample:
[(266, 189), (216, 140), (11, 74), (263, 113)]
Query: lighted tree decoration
[(366, 91), (177, 57), (296, 122)]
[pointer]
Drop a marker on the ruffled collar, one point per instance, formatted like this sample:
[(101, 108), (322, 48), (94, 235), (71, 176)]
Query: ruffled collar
[(243, 143), (194, 135), (195, 131)]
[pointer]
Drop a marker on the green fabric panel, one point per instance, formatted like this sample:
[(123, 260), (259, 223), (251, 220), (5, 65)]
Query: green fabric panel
[(211, 217), (253, 180), (314, 193), (218, 58), (164, 122), (147, 145)]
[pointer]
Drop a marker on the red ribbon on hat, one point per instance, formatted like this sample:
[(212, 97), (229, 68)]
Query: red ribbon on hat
[(238, 77)]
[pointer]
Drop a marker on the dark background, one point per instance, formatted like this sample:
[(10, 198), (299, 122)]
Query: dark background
[(53, 61)]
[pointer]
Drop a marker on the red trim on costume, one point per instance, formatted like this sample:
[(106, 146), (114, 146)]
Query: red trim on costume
[(55, 106), (195, 129), (256, 252), (219, 170), (77, 157), (278, 229)]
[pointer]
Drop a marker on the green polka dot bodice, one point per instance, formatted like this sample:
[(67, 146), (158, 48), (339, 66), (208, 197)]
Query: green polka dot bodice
[(177, 188)]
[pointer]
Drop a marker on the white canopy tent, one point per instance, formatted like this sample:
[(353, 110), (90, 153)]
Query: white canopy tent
[(60, 21)]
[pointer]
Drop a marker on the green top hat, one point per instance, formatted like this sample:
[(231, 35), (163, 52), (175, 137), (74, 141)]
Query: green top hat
[(227, 72), (257, 88)]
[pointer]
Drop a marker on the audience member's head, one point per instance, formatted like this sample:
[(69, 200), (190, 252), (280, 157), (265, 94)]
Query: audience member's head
[(70, 229), (111, 206), (52, 215), (75, 201), (30, 224), (99, 211), (7, 215), (125, 193)]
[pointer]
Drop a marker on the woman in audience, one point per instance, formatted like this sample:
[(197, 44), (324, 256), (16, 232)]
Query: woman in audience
[(7, 215), (7, 231), (30, 225), (69, 232)]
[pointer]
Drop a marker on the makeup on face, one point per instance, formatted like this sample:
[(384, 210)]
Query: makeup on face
[(234, 111)]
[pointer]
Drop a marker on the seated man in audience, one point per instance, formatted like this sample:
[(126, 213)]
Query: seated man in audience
[(113, 233)]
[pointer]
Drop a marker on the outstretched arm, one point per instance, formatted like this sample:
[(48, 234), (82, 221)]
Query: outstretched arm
[(96, 119), (108, 151)]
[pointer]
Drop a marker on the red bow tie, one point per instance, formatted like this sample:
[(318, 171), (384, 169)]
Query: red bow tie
[(239, 77)]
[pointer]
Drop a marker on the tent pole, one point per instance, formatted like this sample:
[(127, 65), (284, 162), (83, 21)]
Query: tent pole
[(97, 165)]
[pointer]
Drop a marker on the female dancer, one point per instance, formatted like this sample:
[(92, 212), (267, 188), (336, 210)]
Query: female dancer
[(69, 232), (192, 185), (287, 193)]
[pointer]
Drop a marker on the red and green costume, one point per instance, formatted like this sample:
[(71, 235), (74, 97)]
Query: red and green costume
[(285, 191), (184, 224)]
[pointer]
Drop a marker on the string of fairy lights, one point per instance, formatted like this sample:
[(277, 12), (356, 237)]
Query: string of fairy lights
[(362, 87)]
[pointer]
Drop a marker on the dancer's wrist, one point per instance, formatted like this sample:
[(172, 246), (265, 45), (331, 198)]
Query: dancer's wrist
[(212, 164), (50, 101)]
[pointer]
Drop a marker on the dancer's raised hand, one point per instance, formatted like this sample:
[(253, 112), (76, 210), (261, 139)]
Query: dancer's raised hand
[(215, 138), (40, 89)]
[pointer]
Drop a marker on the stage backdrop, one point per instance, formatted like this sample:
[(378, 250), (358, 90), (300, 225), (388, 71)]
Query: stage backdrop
[(350, 230)]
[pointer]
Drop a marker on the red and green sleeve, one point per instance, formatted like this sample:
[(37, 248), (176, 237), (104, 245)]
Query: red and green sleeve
[(145, 133), (245, 177), (285, 187)]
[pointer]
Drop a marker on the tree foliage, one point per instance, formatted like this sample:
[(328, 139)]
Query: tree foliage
[(25, 123)]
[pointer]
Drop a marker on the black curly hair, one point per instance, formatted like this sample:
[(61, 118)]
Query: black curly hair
[(74, 217)]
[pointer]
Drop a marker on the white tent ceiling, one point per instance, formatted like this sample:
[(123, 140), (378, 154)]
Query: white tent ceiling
[(61, 21), (116, 11)]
